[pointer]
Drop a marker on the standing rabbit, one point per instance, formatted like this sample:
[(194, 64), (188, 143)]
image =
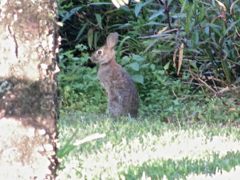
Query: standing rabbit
[(122, 94)]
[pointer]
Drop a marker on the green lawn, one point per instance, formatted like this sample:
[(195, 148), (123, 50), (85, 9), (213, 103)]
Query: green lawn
[(147, 148)]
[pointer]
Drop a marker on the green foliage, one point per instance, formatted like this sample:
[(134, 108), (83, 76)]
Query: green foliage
[(134, 64), (209, 30), (151, 34), (79, 86)]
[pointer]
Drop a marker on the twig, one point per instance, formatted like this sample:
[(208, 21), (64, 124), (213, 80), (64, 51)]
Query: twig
[(89, 138), (227, 89), (203, 82), (167, 9), (159, 35), (209, 87)]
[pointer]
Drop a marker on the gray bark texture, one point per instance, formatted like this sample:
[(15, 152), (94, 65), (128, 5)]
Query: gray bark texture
[(28, 89)]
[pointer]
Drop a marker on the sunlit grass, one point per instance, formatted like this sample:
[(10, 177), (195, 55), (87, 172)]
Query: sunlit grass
[(144, 148)]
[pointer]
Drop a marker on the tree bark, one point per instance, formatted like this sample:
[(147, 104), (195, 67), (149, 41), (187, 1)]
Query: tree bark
[(28, 94)]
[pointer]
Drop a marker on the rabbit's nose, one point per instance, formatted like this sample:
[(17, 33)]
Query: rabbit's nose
[(92, 58)]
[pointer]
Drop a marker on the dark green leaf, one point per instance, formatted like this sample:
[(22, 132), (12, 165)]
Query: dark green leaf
[(157, 14), (138, 8), (69, 14), (99, 20), (90, 38), (134, 66), (138, 58), (138, 78)]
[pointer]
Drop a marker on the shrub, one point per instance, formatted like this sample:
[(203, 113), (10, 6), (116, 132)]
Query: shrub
[(194, 41), (79, 87)]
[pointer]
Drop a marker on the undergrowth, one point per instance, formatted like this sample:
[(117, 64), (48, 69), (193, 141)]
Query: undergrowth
[(171, 49)]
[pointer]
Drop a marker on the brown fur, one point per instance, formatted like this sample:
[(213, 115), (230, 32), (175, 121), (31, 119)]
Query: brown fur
[(122, 94)]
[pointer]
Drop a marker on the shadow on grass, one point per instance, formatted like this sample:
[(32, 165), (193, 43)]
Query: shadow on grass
[(180, 169)]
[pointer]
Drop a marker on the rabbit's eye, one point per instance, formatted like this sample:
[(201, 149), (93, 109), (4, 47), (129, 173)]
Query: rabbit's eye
[(99, 52)]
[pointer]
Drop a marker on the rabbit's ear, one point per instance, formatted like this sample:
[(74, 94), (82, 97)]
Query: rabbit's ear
[(112, 40)]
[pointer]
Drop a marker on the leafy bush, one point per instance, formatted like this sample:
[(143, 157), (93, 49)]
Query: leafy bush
[(210, 33), (195, 41), (80, 89)]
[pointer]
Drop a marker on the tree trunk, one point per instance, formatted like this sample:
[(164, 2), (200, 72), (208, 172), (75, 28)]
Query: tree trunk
[(28, 107)]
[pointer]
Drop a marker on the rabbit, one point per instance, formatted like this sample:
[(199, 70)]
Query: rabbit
[(123, 99)]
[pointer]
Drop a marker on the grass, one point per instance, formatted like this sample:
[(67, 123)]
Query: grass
[(94, 146)]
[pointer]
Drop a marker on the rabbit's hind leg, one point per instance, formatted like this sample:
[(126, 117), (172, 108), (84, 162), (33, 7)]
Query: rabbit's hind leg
[(115, 109)]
